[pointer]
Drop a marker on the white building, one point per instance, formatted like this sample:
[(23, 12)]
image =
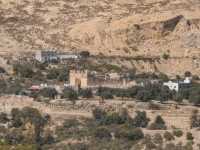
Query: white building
[(51, 56), (176, 86), (172, 85), (46, 56)]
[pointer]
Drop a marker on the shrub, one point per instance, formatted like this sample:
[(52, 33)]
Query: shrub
[(3, 86), (63, 75), (188, 146), (158, 124), (69, 123), (70, 94), (131, 74), (106, 95), (52, 74), (195, 120), (194, 96), (2, 70), (189, 136), (157, 138), (165, 56), (3, 118), (130, 134), (178, 97), (178, 133), (170, 146), (164, 94), (17, 117), (188, 74), (102, 133), (86, 93), (154, 106), (84, 54), (149, 143), (140, 120), (113, 118), (14, 88), (144, 95), (135, 134), (98, 114), (49, 92), (23, 70), (168, 136)]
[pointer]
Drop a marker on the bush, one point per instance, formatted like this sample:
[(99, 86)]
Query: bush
[(158, 124), (102, 133), (130, 134), (195, 120), (70, 94), (194, 96), (165, 56), (98, 114), (69, 123), (164, 94), (154, 106), (52, 74), (3, 86), (23, 70), (188, 74), (157, 138), (14, 88), (104, 118), (63, 75), (2, 70), (170, 146), (86, 93), (3, 118), (17, 117), (106, 95), (84, 54), (189, 136), (144, 95), (135, 134), (178, 133), (49, 92), (140, 120), (168, 136), (113, 118)]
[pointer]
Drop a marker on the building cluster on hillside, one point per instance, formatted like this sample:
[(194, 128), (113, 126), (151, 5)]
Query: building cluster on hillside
[(54, 56), (85, 79), (178, 85)]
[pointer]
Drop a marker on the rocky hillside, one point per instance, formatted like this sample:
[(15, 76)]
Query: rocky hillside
[(147, 28)]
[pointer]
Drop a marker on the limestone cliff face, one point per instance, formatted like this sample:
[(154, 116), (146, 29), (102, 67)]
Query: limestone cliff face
[(146, 28)]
